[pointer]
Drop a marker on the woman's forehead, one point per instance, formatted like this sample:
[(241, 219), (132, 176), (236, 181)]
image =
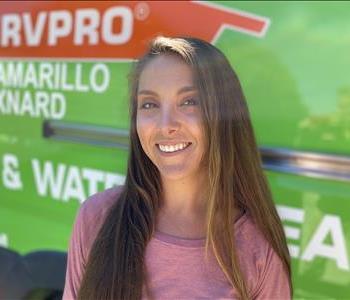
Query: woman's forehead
[(164, 71)]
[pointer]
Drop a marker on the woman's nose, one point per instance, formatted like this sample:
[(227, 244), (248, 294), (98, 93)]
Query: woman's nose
[(169, 121)]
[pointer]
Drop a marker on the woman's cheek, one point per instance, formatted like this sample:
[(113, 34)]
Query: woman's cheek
[(193, 118), (145, 120), (145, 127)]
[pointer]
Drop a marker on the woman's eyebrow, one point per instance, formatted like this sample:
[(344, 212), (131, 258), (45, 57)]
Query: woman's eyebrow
[(186, 89), (147, 93), (180, 91)]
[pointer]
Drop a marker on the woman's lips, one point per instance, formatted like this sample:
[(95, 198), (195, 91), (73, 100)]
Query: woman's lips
[(173, 148)]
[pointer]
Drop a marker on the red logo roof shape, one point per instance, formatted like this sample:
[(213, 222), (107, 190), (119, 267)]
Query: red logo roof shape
[(171, 18)]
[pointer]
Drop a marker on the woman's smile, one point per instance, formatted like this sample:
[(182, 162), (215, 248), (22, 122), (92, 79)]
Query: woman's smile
[(173, 148)]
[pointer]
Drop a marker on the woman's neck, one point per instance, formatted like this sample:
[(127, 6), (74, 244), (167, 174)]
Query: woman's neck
[(184, 207)]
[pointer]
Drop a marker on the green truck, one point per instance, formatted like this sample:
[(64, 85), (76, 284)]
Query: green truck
[(64, 119)]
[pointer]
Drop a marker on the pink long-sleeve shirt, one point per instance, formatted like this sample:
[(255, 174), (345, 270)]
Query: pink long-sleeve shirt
[(177, 267)]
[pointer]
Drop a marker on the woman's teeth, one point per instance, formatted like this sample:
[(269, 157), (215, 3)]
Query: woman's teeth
[(173, 148)]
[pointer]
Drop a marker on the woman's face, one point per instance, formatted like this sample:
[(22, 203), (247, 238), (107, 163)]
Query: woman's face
[(169, 122)]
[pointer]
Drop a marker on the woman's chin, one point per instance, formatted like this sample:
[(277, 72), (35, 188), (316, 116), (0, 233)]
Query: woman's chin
[(189, 169), (176, 173)]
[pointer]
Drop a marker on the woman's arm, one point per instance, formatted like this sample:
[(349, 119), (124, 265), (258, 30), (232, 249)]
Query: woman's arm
[(76, 259), (273, 283)]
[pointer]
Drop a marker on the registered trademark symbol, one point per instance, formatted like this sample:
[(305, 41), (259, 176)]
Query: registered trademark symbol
[(141, 11)]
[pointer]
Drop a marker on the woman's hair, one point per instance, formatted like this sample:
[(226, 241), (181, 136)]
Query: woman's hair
[(116, 265)]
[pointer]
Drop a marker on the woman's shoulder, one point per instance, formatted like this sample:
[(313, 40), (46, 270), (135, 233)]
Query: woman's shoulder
[(252, 247), (100, 202), (92, 214), (248, 235)]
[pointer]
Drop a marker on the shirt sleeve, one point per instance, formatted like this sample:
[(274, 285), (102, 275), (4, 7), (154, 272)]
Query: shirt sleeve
[(274, 283), (76, 258)]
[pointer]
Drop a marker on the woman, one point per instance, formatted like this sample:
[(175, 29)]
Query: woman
[(195, 218)]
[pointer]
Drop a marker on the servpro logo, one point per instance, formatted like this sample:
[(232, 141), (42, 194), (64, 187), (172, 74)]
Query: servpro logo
[(116, 30)]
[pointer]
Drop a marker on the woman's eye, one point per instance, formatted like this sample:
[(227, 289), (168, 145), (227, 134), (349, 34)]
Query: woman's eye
[(190, 101), (148, 105)]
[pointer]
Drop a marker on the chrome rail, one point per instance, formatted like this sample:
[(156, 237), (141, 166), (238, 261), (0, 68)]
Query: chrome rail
[(86, 134), (310, 164)]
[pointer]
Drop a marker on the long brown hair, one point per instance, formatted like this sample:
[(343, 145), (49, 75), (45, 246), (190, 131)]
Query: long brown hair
[(116, 265)]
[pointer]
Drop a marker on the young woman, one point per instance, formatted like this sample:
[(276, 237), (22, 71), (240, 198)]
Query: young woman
[(195, 218)]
